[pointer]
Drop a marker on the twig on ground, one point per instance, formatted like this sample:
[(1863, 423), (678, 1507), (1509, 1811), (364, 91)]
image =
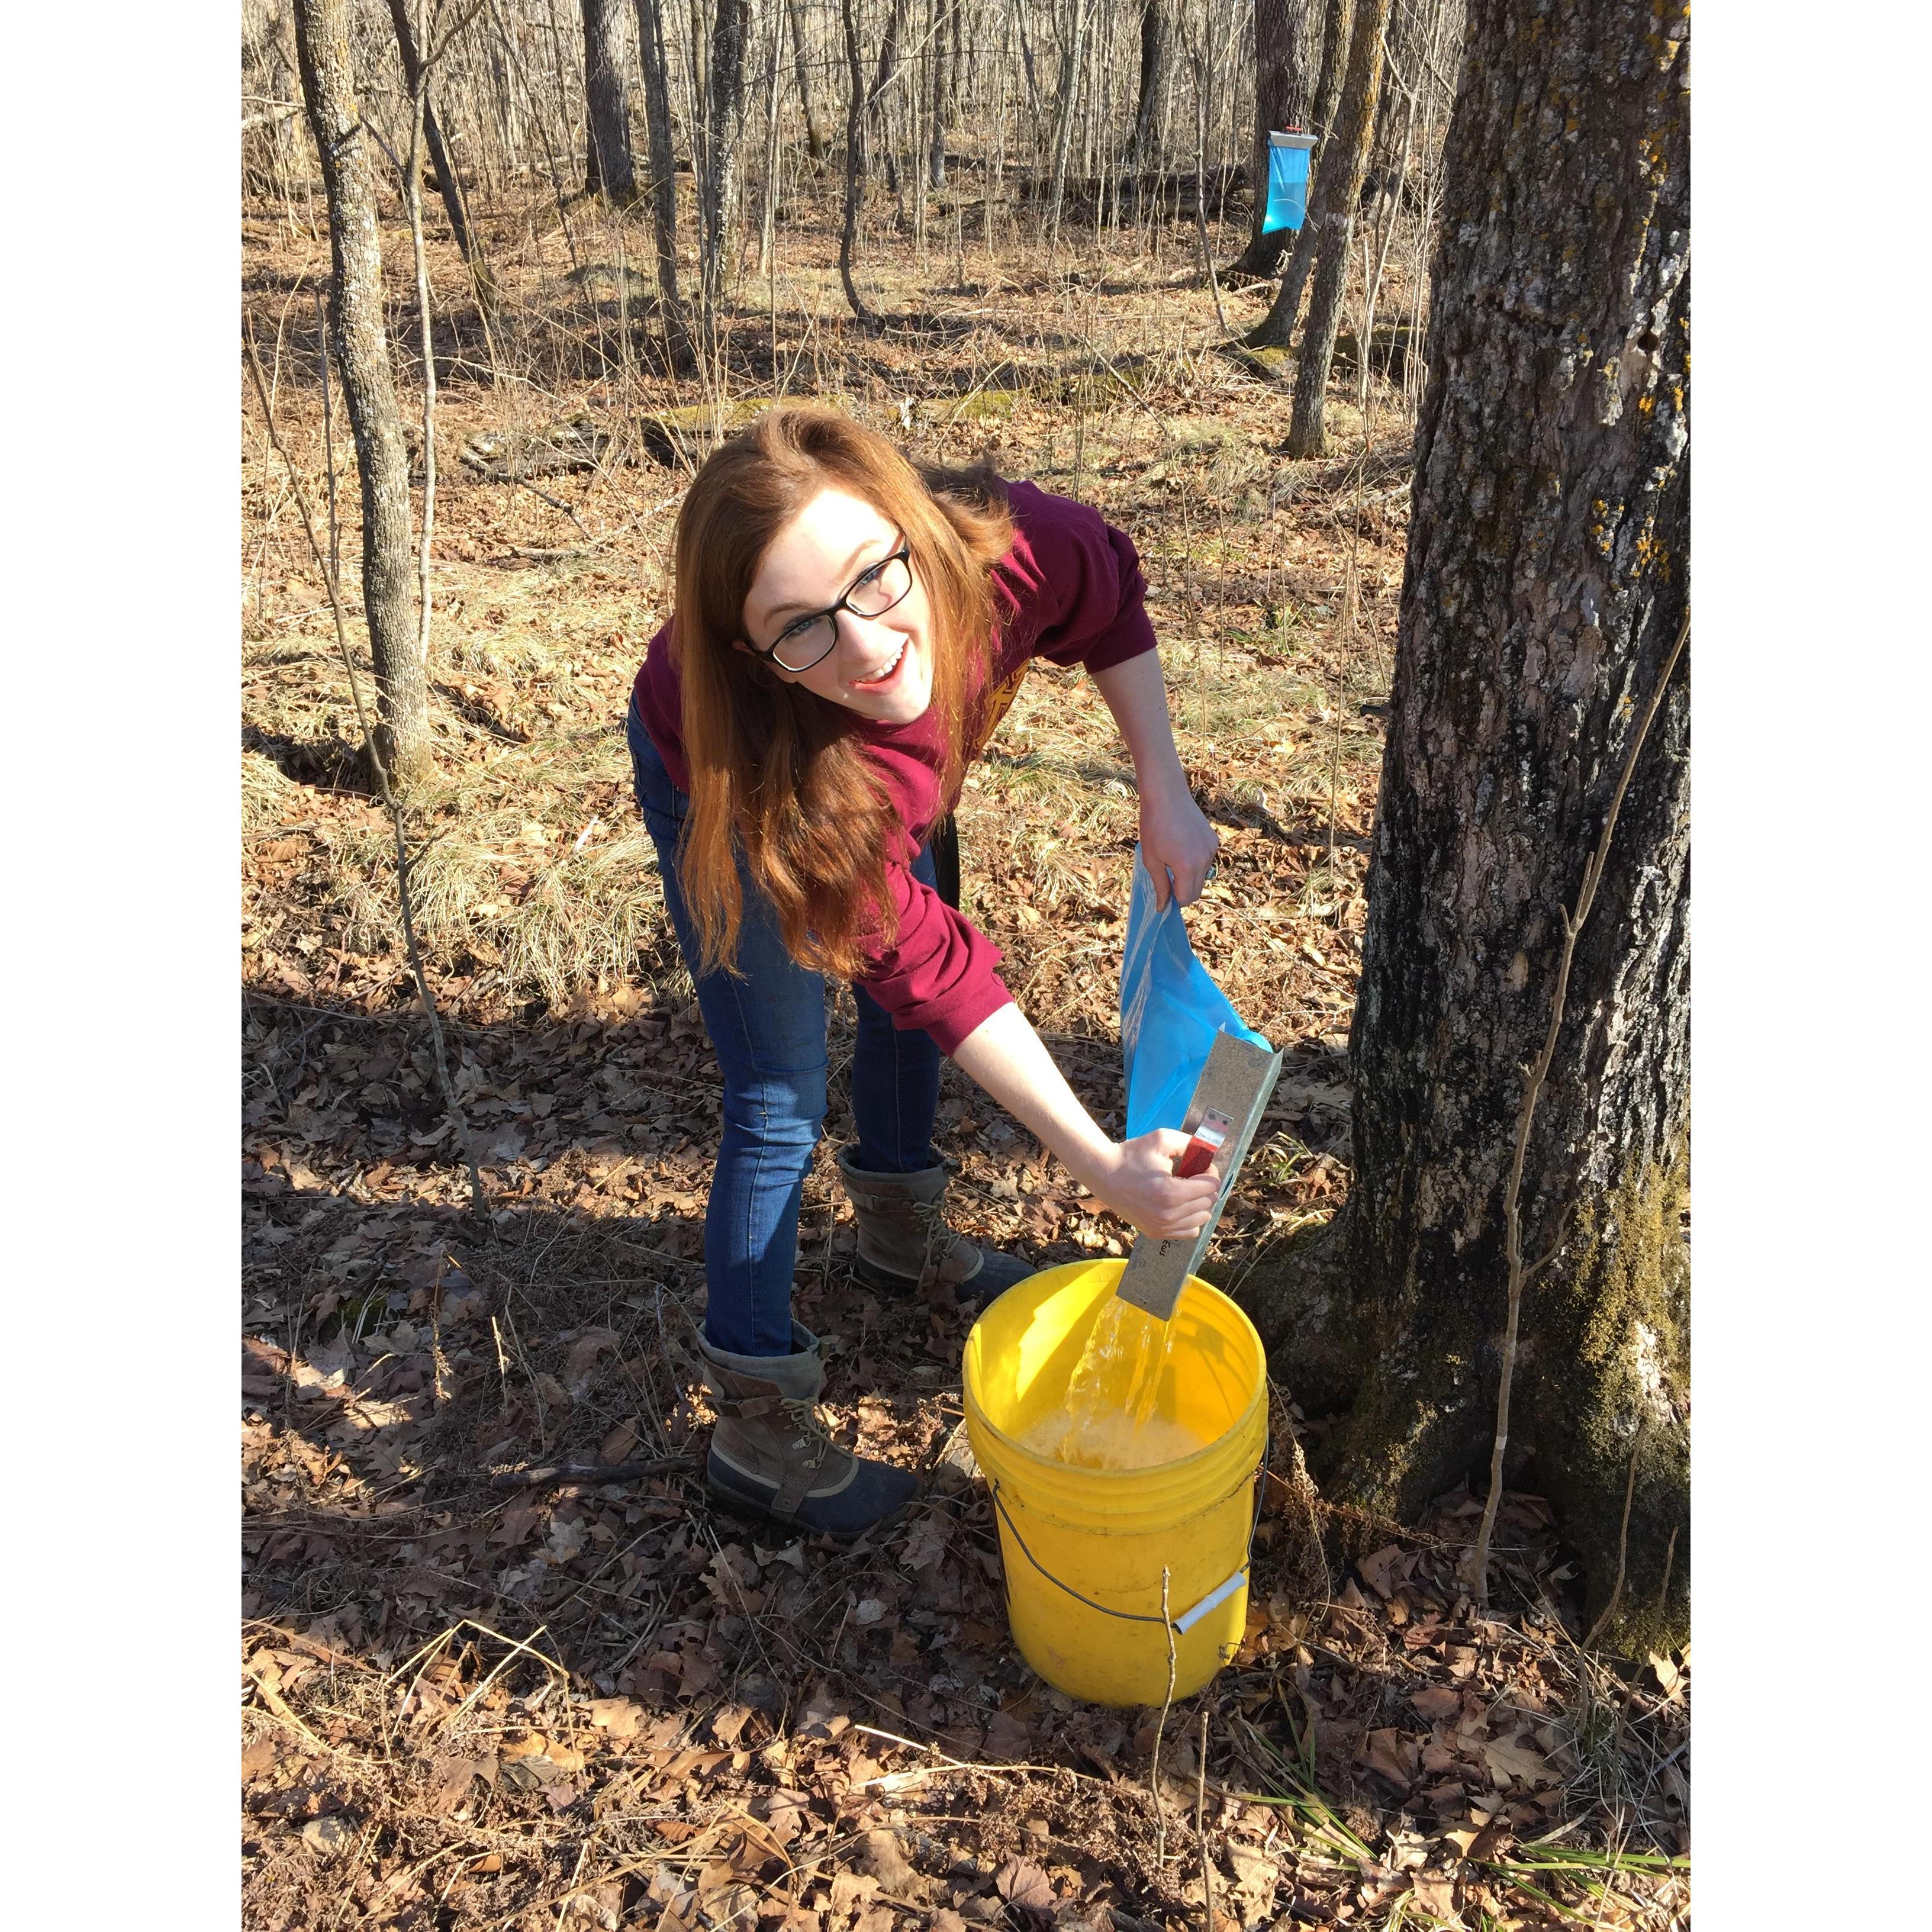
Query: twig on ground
[(279, 1709), (1478, 1571), (556, 503), (1200, 1823)]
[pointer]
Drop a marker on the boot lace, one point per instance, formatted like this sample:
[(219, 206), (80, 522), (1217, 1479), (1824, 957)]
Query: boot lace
[(803, 1417), (931, 1216)]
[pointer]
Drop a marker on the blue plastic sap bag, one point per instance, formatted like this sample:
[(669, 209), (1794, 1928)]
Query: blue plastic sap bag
[(1287, 182), (1170, 1011)]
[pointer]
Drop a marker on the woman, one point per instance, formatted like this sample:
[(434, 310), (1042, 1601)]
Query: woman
[(847, 633)]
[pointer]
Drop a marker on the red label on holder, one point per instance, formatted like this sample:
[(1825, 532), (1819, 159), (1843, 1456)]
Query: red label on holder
[(1209, 1137)]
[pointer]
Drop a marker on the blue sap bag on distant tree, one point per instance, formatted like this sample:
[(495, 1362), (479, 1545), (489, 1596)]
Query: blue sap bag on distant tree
[(1170, 1011), (1287, 205)]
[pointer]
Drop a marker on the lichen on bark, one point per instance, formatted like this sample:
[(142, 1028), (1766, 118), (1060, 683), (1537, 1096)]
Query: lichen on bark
[(1622, 1310)]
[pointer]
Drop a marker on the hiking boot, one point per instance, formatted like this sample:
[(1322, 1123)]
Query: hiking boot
[(904, 1241), (770, 1457)]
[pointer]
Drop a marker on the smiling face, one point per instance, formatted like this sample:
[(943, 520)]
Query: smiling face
[(880, 667)]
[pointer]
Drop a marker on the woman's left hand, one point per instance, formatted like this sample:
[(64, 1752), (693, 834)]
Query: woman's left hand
[(1176, 838)]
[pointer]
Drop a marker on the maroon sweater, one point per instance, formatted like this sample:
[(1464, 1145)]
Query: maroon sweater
[(1069, 590)]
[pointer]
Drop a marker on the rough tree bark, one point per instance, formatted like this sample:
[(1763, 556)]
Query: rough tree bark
[(608, 168), (1280, 101), (1547, 578), (1144, 154), (361, 348), (1332, 219), (945, 86), (879, 111), (814, 141), (664, 171), (726, 72), (448, 186), (1276, 328)]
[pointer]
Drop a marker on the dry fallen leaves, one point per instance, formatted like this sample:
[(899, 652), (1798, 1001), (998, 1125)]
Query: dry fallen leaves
[(1020, 1882), (1514, 1760)]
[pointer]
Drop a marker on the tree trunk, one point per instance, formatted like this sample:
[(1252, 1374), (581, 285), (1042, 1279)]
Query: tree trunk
[(1280, 101), (608, 168), (1333, 221), (664, 171), (878, 122), (724, 108), (814, 141), (1062, 117), (448, 186), (1337, 28), (1276, 328), (942, 96), (861, 104), (1547, 578), (855, 163), (1144, 145), (361, 347)]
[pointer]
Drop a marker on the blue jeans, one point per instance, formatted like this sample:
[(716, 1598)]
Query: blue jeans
[(767, 1027)]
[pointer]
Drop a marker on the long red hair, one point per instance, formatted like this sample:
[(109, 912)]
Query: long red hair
[(775, 771)]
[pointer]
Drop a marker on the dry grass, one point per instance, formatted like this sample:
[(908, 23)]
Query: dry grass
[(664, 1712)]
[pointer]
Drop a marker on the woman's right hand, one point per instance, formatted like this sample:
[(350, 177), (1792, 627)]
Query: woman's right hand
[(1136, 1180)]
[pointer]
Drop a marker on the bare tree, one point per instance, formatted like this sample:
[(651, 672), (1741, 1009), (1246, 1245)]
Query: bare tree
[(860, 102), (608, 168), (1144, 152), (944, 69), (855, 160), (1521, 1060), (726, 75), (1281, 91), (878, 111), (664, 170), (814, 141), (448, 186), (361, 348), (1338, 27), (1276, 328), (1063, 114), (1333, 221)]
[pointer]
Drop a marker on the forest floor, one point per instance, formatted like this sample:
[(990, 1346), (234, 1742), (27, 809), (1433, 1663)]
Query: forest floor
[(467, 1707)]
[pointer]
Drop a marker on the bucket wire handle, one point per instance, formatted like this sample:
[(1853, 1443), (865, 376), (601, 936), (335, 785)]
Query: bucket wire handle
[(1188, 1618)]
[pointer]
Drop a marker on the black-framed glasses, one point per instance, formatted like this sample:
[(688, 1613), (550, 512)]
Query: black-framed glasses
[(808, 640)]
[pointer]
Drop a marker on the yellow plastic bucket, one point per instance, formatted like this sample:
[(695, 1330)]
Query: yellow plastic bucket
[(1083, 1549)]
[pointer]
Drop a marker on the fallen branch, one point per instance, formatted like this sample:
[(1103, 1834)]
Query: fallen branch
[(592, 1473)]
